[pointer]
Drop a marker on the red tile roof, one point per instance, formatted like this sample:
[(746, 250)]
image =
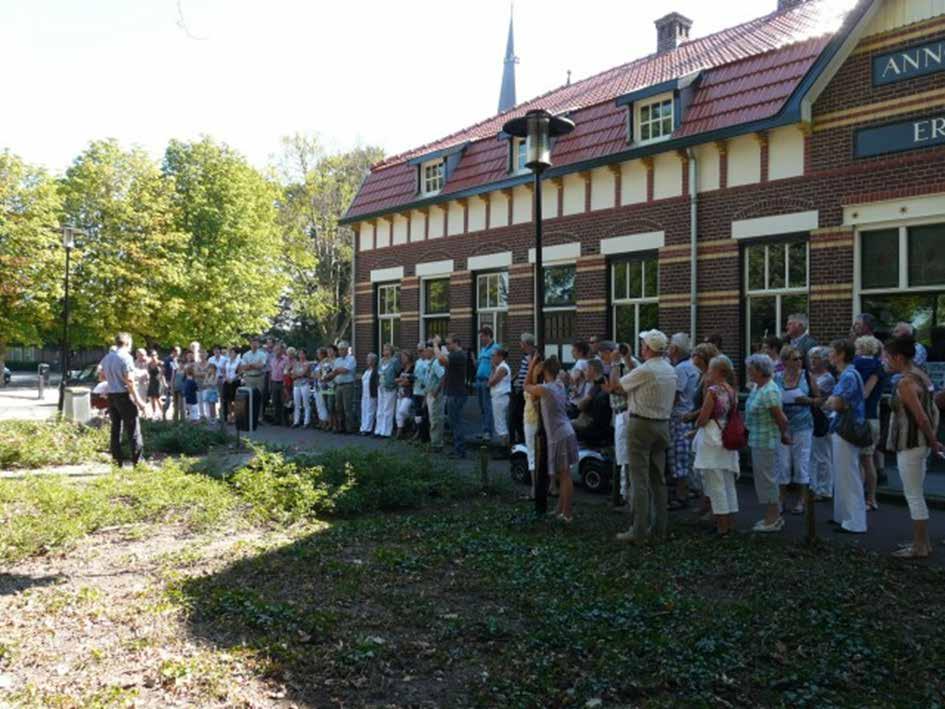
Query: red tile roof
[(748, 73)]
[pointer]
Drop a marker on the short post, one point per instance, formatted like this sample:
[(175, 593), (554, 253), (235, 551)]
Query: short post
[(40, 375), (614, 478), (484, 465), (810, 515)]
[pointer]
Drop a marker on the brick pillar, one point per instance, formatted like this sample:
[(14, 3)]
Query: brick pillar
[(364, 322), (409, 313), (591, 286), (831, 275), (462, 318), (521, 307)]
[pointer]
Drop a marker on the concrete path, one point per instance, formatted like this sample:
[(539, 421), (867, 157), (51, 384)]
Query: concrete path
[(20, 400)]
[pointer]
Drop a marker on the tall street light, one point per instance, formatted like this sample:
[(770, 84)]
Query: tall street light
[(539, 127), (68, 243)]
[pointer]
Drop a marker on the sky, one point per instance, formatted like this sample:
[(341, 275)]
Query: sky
[(247, 72)]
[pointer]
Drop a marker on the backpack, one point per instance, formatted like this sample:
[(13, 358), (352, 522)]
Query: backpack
[(734, 435)]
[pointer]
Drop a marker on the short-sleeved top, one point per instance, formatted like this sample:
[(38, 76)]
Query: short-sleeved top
[(348, 362), (117, 365), (456, 373), (435, 375), (421, 371), (254, 376), (389, 372), (190, 391), (554, 412), (763, 431), (687, 385), (484, 363), (723, 404), (504, 387), (232, 364), (867, 367), (170, 366), (849, 388), (799, 416)]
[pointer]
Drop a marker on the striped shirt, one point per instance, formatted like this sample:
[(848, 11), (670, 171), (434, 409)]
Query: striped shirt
[(519, 383), (651, 389)]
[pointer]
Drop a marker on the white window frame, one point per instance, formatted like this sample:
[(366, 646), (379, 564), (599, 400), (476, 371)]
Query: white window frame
[(489, 315), (563, 349), (634, 302), (639, 122), (383, 318), (903, 286), (518, 156), (424, 315), (432, 176), (777, 293)]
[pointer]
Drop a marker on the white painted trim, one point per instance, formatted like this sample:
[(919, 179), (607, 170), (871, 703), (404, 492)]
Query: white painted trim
[(897, 210), (435, 268), (379, 275), (562, 253), (633, 242), (503, 259), (772, 226)]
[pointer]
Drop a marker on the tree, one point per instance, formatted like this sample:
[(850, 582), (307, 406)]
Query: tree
[(31, 259), (235, 274), (126, 269), (317, 190)]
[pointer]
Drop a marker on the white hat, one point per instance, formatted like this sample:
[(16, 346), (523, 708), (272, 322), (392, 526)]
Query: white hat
[(655, 340)]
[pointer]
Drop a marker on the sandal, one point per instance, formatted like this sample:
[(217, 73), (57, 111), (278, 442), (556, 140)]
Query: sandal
[(798, 509), (676, 504), (908, 553), (872, 506)]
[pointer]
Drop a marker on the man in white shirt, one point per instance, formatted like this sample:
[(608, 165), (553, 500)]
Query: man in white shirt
[(253, 369), (342, 374), (123, 400), (651, 391)]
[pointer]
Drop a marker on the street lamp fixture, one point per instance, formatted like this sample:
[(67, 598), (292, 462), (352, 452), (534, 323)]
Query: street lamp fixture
[(539, 128), (68, 243)]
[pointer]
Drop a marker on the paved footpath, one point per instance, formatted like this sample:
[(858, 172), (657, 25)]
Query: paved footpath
[(889, 526)]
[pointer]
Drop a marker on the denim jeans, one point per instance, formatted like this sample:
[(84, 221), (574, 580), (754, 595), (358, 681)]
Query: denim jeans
[(484, 397), (454, 409)]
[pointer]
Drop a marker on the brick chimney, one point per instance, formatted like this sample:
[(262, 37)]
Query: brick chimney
[(671, 31), (788, 4)]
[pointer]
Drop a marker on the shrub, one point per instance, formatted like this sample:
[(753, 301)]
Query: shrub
[(34, 444), (180, 438)]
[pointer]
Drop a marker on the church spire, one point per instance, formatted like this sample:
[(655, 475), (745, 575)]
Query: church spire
[(507, 94)]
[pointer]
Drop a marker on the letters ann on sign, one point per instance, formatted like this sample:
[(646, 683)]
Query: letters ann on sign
[(915, 59)]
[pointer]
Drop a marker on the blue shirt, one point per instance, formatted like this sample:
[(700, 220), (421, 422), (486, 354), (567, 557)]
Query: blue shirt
[(850, 389), (799, 416), (421, 372), (484, 363), (345, 363), (117, 366), (687, 385), (190, 391), (867, 367)]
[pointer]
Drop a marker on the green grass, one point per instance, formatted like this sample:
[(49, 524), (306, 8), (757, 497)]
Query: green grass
[(478, 605), (41, 513), (36, 444)]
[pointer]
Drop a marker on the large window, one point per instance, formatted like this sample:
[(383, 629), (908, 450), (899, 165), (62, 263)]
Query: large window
[(634, 292), (388, 314), (492, 303), (436, 308), (902, 277), (775, 287), (559, 310), (432, 177), (656, 120)]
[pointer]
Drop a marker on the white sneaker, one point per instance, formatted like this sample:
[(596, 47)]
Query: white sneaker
[(765, 528)]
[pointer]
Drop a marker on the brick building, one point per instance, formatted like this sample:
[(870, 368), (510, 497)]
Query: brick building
[(796, 161)]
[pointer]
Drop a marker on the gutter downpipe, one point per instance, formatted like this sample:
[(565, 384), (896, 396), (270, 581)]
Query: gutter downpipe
[(693, 238)]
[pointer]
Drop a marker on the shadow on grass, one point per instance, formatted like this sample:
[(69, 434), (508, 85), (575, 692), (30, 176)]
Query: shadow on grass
[(11, 584)]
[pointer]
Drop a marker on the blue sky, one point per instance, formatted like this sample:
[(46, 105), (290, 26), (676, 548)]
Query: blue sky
[(395, 74)]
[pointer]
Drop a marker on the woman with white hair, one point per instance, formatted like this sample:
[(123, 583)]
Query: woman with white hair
[(821, 473), (767, 427), (797, 391), (369, 381), (718, 465)]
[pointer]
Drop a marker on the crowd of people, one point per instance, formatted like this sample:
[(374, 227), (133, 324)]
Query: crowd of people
[(672, 417)]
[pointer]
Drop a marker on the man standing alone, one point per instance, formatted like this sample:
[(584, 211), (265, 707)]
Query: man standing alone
[(651, 390), (123, 401)]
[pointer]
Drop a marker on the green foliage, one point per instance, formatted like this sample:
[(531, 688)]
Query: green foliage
[(31, 259), (343, 482), (317, 189), (126, 270), (234, 251), (36, 444), (41, 513), (180, 438)]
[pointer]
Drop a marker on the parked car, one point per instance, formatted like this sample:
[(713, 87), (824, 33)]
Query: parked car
[(83, 377)]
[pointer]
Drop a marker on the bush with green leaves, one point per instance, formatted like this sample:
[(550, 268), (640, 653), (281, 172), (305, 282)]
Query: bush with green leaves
[(181, 438), (33, 444), (343, 482)]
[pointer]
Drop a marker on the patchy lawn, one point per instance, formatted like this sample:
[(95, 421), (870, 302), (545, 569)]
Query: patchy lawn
[(367, 579)]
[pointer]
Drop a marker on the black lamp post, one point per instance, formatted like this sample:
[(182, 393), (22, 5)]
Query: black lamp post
[(539, 127), (68, 243)]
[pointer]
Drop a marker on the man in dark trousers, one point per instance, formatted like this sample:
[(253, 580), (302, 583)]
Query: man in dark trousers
[(455, 389), (123, 401)]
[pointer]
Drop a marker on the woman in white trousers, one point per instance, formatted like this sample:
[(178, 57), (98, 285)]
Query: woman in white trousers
[(369, 395), (821, 460), (301, 391), (388, 370), (849, 503), (913, 425), (321, 407)]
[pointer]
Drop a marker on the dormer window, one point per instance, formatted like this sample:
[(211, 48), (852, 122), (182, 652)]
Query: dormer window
[(655, 119), (519, 153), (432, 177)]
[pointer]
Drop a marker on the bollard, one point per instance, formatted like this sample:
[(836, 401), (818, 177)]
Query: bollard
[(42, 372), (810, 516), (484, 464), (614, 478)]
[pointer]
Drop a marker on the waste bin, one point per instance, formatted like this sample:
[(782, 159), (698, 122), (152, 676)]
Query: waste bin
[(75, 404), (247, 398)]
